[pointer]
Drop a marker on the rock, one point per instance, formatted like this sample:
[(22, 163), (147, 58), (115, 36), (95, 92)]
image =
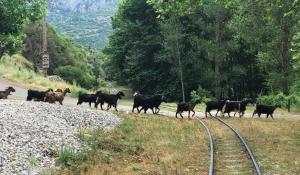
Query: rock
[(34, 130)]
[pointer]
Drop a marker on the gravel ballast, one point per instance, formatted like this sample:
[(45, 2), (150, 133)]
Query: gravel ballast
[(33, 130)]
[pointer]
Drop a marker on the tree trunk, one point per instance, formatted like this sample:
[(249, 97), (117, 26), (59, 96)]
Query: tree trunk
[(181, 79), (284, 49), (1, 53), (180, 71), (217, 58)]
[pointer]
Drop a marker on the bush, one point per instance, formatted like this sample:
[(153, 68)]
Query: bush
[(66, 157), (201, 95), (278, 99), (71, 74)]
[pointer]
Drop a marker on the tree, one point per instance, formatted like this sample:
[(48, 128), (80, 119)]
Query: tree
[(14, 14), (134, 46), (275, 23)]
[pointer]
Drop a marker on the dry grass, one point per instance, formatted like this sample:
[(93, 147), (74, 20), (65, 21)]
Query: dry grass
[(19, 70), (146, 144), (275, 143)]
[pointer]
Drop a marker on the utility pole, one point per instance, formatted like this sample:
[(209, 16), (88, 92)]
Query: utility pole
[(45, 55)]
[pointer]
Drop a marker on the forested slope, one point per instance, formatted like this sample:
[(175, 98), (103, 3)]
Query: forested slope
[(87, 22), (21, 32), (224, 49)]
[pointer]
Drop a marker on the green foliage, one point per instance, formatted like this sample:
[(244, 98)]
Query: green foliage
[(231, 48), (88, 27), (32, 161), (276, 24), (196, 42), (133, 50), (14, 14), (65, 157), (71, 74), (201, 95), (74, 63), (277, 99)]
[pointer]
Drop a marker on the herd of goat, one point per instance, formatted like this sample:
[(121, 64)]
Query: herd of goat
[(143, 102)]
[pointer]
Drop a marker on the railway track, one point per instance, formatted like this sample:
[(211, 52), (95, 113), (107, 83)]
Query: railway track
[(229, 152)]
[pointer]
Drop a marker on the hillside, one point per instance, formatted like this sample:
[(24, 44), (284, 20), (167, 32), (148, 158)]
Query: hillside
[(88, 22)]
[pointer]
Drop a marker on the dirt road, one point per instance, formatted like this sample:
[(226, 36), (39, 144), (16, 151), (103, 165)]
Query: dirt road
[(21, 94)]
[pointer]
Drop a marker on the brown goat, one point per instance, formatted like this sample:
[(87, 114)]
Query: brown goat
[(4, 94), (52, 97), (59, 90), (181, 107)]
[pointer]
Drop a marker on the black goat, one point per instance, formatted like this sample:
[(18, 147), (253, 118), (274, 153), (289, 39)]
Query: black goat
[(138, 101), (236, 106), (181, 107), (146, 102), (89, 98), (37, 95), (265, 109), (214, 105), (110, 99)]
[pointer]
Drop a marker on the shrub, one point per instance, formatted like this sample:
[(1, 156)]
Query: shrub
[(201, 95), (66, 157), (71, 74), (279, 99)]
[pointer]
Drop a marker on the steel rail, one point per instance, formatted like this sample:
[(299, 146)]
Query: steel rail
[(211, 166), (249, 152)]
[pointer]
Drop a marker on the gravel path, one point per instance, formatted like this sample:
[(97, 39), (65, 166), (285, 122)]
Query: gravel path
[(21, 94), (34, 130)]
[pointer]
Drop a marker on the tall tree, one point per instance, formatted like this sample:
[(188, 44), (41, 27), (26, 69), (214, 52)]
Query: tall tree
[(271, 26), (133, 47), (14, 14)]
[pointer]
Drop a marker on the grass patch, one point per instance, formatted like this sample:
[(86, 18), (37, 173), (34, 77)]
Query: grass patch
[(145, 144), (275, 143), (17, 69)]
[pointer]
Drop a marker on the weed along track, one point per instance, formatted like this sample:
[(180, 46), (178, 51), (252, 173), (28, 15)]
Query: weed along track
[(229, 152)]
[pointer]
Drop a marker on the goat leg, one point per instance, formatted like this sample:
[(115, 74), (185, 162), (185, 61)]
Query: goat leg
[(243, 113), (253, 113), (272, 116), (139, 110), (157, 110), (216, 113), (145, 110), (193, 113), (240, 114), (181, 114), (234, 114), (153, 111)]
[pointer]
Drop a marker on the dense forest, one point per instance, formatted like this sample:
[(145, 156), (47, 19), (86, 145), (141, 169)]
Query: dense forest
[(230, 48), (87, 22), (206, 48), (21, 32)]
